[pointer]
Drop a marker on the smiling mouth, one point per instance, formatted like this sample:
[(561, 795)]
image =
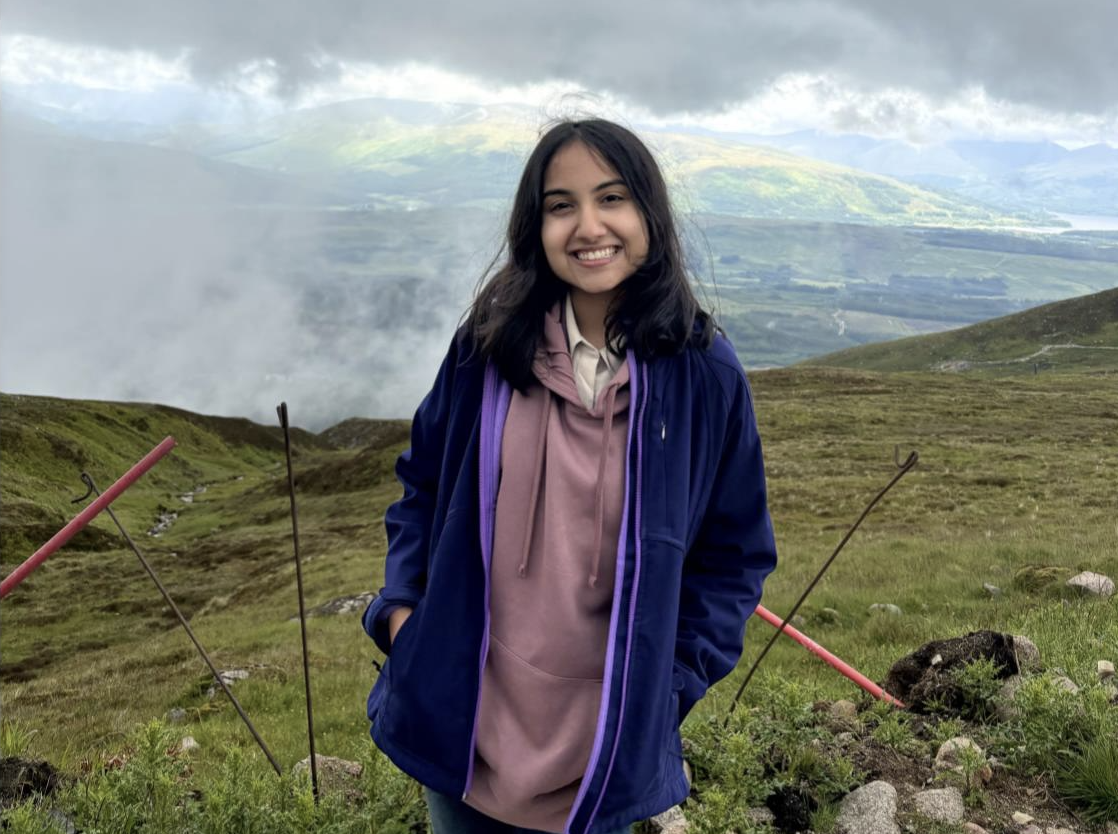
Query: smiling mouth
[(603, 254)]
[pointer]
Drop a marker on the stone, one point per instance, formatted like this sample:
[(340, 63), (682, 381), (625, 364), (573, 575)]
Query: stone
[(797, 621), (1021, 818), (1004, 706), (353, 604), (846, 738), (973, 828), (1057, 829), (671, 821), (761, 816), (176, 715), (829, 615), (1092, 584), (843, 713), (869, 810), (1112, 828), (1027, 653), (1065, 683), (1105, 669), (992, 590), (940, 804), (886, 608), (1031, 829), (188, 744), (949, 757), (228, 677), (335, 775)]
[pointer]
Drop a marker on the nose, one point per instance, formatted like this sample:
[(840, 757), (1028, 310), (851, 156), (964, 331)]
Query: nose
[(590, 225)]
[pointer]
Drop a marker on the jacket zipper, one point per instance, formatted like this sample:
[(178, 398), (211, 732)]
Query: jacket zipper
[(640, 388)]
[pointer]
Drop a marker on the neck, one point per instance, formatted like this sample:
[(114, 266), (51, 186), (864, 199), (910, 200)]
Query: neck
[(590, 315)]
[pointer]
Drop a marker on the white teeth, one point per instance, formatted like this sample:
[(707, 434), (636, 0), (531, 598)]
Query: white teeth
[(597, 254)]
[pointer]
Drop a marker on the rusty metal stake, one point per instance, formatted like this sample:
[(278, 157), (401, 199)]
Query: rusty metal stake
[(282, 411), (903, 469), (88, 481)]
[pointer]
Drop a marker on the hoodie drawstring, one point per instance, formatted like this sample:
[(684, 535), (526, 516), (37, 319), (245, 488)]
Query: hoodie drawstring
[(600, 492), (537, 477)]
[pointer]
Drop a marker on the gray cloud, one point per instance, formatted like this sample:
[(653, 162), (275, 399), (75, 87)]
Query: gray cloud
[(671, 56)]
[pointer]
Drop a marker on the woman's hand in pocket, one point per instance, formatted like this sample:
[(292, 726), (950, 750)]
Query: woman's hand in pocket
[(396, 620)]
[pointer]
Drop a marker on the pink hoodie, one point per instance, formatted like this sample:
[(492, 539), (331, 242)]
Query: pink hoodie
[(552, 576)]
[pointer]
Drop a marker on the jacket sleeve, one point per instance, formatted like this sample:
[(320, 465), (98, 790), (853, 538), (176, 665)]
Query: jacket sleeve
[(733, 552), (410, 520)]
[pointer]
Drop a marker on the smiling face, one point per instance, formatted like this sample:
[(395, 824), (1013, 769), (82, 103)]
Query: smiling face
[(593, 233)]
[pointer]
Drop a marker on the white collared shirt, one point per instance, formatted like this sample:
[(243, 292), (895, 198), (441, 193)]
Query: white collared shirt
[(593, 368)]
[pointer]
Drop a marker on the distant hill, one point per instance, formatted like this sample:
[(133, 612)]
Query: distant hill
[(1079, 334), (388, 154)]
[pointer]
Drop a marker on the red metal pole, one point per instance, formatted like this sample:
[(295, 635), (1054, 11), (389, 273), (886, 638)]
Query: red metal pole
[(85, 516), (843, 667)]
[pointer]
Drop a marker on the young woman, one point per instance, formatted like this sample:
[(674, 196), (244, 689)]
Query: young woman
[(584, 531)]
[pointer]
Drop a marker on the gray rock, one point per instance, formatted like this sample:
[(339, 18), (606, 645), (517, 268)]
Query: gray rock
[(188, 744), (1092, 584), (869, 810), (176, 716), (941, 804), (1021, 818), (354, 604), (829, 615), (1105, 670), (228, 677), (1067, 684), (974, 828), (949, 757), (992, 590), (843, 712), (797, 622), (1004, 705), (761, 816), (335, 775), (1057, 829), (886, 608), (671, 821), (61, 821), (1028, 655)]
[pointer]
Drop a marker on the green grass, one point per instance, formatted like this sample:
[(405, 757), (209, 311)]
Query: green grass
[(1012, 472), (1077, 334)]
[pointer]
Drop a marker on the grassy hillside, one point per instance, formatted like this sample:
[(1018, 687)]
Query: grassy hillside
[(88, 651), (474, 155), (1079, 334)]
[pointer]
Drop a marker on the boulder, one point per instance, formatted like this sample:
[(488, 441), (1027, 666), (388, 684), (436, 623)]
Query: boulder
[(871, 809), (941, 805), (1105, 670), (335, 775), (1092, 584), (950, 755), (1026, 651), (671, 821)]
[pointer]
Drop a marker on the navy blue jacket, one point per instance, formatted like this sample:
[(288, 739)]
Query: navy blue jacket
[(695, 545)]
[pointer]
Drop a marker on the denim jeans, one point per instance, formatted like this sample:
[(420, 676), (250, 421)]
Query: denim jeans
[(453, 816)]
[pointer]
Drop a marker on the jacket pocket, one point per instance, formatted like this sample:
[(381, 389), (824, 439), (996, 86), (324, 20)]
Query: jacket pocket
[(378, 695)]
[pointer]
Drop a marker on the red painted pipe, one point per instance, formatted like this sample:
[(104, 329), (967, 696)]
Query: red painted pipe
[(85, 516), (843, 667)]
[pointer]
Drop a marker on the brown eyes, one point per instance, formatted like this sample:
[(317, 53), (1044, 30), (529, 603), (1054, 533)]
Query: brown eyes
[(562, 205)]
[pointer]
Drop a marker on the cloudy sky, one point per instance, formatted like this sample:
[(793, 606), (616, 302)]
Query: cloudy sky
[(924, 71), (100, 296)]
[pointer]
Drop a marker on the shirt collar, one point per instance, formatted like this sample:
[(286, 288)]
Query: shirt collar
[(612, 356)]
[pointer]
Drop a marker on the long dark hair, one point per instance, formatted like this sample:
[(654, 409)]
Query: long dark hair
[(655, 313)]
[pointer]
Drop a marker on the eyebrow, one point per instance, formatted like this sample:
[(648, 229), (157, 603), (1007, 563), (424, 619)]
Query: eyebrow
[(563, 191)]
